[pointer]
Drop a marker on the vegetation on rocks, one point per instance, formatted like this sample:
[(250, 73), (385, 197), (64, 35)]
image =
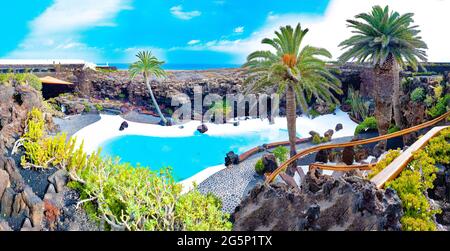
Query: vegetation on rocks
[(418, 95), (259, 167), (281, 153), (370, 123), (125, 197), (360, 108), (14, 79), (382, 164), (416, 179), (441, 107), (317, 139)]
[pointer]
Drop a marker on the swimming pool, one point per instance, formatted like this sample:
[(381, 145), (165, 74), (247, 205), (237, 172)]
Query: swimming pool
[(186, 155)]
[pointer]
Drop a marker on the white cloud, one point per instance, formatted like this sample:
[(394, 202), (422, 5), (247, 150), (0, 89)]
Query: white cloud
[(329, 30), (56, 32), (178, 12), (194, 41), (239, 29)]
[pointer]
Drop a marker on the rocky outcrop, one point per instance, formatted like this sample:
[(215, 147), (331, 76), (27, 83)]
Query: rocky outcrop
[(441, 194), (323, 203), (15, 104)]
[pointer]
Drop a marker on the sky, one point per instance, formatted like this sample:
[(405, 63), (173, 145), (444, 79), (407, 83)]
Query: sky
[(191, 31)]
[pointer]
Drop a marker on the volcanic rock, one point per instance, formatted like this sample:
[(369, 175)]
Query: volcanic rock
[(231, 159), (348, 155), (270, 162), (328, 134), (15, 104), (324, 203), (123, 126), (202, 128)]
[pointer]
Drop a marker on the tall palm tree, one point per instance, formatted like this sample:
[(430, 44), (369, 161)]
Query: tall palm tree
[(297, 72), (389, 41), (148, 65)]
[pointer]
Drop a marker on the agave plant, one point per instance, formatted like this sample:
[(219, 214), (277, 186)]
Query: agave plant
[(298, 72), (360, 108), (388, 41)]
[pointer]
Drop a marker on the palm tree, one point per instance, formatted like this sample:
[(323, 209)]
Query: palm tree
[(297, 72), (389, 41), (148, 65)]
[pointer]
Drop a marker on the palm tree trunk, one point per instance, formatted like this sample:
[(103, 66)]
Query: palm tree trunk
[(291, 117), (384, 89), (147, 82), (396, 98)]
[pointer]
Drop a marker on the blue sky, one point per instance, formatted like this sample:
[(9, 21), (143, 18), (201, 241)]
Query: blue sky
[(183, 31)]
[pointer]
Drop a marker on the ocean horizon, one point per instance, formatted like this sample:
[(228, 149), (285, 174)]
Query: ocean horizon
[(125, 66)]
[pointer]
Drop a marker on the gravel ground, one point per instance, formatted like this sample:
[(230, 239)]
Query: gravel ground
[(232, 184), (73, 124), (140, 118)]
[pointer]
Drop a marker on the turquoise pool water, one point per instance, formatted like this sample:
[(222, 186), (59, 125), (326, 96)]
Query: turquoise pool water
[(186, 155)]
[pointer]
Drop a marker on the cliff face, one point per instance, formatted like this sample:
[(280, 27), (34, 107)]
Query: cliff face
[(324, 203), (15, 104), (118, 85)]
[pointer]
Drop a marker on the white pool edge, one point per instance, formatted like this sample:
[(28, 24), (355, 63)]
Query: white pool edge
[(107, 127)]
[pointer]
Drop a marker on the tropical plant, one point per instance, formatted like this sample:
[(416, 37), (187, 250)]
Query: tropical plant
[(360, 109), (259, 167), (281, 153), (441, 107), (370, 123), (298, 72), (389, 41), (418, 95), (148, 65)]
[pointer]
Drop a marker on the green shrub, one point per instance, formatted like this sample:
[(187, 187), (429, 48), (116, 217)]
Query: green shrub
[(313, 113), (438, 90), (259, 167), (441, 107), (418, 94), (281, 153), (370, 123), (15, 79), (137, 198), (99, 107), (429, 100), (87, 107), (382, 164), (413, 183), (125, 197), (198, 212), (393, 129), (316, 139), (332, 107), (424, 73)]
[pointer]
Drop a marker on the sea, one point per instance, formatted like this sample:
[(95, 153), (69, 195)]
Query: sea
[(125, 66)]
